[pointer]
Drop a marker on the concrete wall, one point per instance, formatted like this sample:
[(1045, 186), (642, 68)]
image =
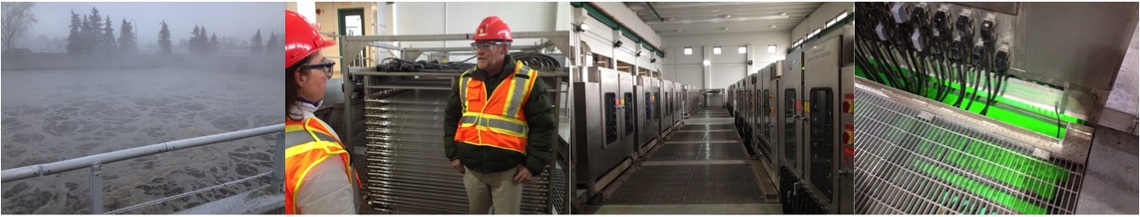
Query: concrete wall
[(417, 18), (817, 19), (725, 68)]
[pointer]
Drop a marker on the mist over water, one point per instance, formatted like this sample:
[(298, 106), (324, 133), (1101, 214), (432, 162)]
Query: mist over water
[(69, 93), (56, 114)]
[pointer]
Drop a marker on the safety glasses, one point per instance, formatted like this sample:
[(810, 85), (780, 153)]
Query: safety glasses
[(484, 45), (326, 65)]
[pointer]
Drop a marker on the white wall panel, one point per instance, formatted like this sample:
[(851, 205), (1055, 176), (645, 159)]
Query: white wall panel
[(724, 75), (416, 18), (689, 74), (817, 19), (729, 60)]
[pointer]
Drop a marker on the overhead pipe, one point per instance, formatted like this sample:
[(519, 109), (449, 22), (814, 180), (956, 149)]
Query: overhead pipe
[(655, 12)]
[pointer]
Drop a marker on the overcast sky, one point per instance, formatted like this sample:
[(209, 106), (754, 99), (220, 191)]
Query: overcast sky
[(240, 20)]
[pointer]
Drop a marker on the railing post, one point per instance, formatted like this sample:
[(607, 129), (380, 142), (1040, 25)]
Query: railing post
[(96, 188), (278, 181)]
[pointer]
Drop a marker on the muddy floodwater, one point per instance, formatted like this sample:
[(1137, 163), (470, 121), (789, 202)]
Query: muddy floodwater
[(56, 114)]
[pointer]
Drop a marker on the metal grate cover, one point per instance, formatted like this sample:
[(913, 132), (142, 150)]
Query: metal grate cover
[(911, 161)]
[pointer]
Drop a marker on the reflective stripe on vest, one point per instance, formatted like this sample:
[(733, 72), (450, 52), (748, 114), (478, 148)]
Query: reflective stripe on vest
[(310, 142), (498, 120), (497, 124)]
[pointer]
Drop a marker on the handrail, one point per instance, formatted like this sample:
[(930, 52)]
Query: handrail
[(94, 162), (116, 156)]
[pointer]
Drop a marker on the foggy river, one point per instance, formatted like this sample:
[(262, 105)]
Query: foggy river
[(51, 115)]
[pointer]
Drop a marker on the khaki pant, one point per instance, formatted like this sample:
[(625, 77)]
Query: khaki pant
[(500, 190)]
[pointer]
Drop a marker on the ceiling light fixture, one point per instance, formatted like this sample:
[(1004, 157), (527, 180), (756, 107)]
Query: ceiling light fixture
[(582, 27)]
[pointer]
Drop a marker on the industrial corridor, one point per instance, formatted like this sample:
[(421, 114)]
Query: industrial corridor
[(702, 167)]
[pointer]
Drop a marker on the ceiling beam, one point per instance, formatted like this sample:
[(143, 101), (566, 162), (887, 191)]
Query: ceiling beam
[(671, 5)]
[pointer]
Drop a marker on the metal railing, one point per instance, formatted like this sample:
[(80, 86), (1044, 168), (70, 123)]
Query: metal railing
[(95, 162)]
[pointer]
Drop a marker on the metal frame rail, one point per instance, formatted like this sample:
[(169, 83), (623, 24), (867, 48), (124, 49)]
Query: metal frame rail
[(404, 163), (94, 164)]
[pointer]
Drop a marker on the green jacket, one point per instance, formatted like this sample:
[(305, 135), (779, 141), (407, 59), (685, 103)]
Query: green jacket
[(540, 124)]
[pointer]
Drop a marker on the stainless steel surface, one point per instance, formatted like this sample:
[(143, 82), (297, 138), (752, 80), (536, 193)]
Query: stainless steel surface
[(600, 142), (824, 119), (753, 89), (1074, 45), (628, 111), (916, 157), (668, 117), (678, 101), (769, 133), (771, 121), (1029, 139), (1078, 43), (648, 110), (1003, 7), (790, 114)]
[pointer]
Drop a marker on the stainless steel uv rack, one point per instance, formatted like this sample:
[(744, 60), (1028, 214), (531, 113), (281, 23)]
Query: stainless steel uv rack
[(401, 133)]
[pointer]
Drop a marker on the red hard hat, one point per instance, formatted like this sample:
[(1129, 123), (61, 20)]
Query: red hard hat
[(493, 28), (301, 39)]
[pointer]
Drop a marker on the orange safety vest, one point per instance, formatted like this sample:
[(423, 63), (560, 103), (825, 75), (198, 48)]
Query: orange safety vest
[(496, 121), (309, 142)]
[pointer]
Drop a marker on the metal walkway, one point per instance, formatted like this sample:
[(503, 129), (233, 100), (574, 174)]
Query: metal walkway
[(700, 168)]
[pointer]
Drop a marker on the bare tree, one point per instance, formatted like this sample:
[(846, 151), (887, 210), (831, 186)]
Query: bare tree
[(17, 18)]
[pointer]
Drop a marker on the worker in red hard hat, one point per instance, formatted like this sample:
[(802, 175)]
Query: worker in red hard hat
[(499, 124), (318, 177)]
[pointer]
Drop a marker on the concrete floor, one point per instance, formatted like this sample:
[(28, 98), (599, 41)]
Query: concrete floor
[(1110, 184), (702, 169)]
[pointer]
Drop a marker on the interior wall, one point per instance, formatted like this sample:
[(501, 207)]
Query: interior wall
[(727, 67), (417, 18), (819, 18), (330, 24)]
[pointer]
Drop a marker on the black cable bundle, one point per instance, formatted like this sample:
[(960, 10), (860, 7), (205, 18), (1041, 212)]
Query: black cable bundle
[(534, 60), (537, 61), (392, 64), (935, 43)]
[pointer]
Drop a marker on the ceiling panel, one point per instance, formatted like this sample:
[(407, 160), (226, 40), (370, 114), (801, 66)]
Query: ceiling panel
[(688, 18)]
